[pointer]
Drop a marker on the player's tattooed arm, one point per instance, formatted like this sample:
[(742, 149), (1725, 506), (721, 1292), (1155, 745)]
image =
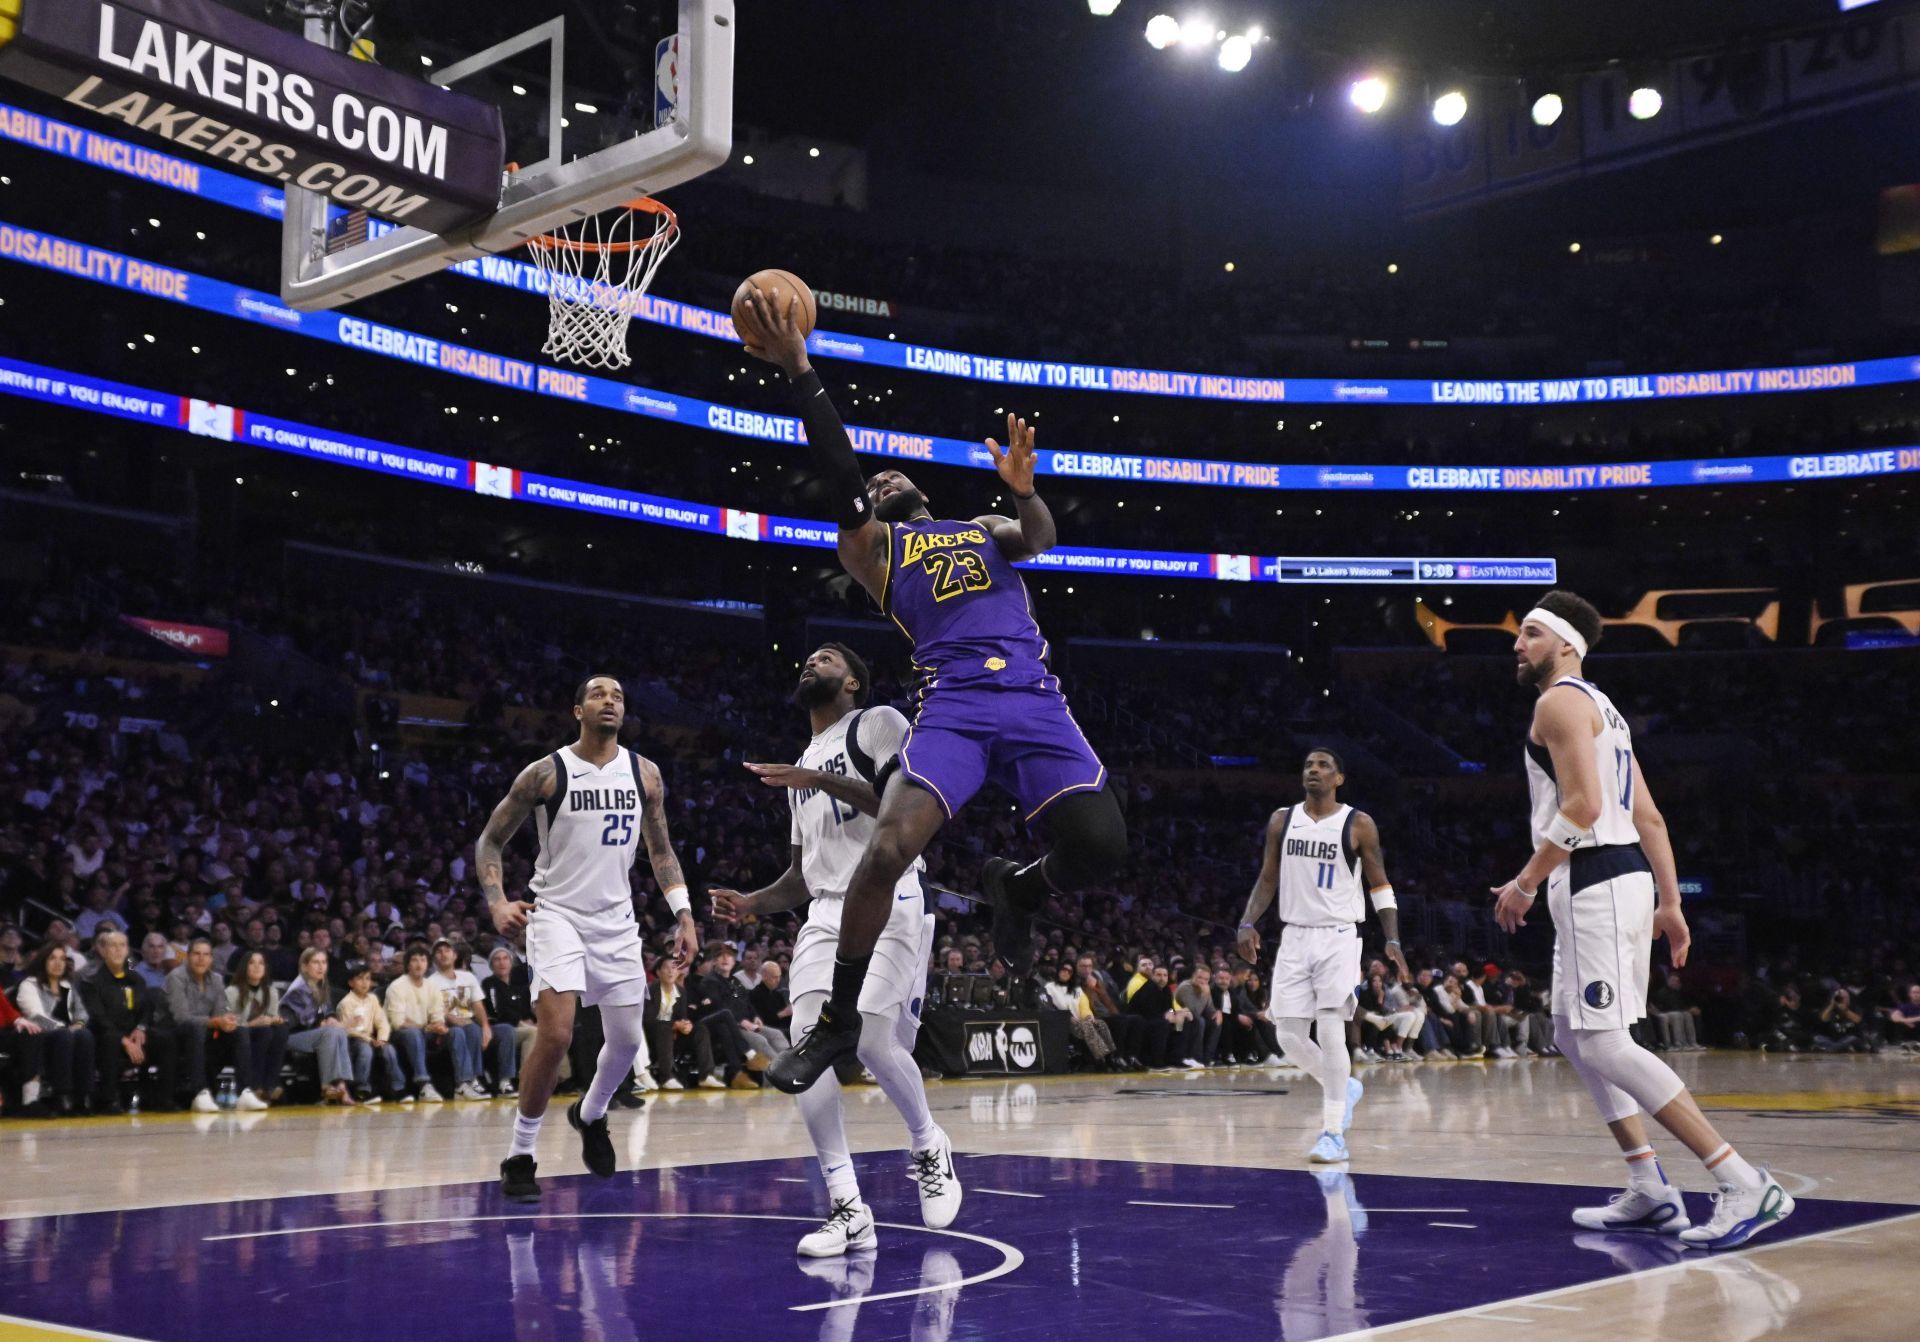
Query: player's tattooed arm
[(653, 828), (1033, 532), (788, 892), (1265, 886), (534, 785), (1373, 870)]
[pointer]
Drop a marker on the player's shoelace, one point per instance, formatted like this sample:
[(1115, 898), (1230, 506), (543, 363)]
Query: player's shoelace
[(927, 1171), (841, 1215)]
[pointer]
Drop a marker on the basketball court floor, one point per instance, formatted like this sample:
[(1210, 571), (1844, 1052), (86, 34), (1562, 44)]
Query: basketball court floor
[(1172, 1205)]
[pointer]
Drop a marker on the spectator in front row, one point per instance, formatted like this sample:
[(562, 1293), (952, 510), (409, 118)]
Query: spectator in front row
[(255, 1002), (1152, 1002), (1676, 1018), (1532, 1024), (1447, 1002), (510, 1006), (55, 1048), (315, 1028), (1064, 994), (12, 963), (206, 1031), (466, 1020), (1903, 1018), (369, 1036), (666, 1024), (128, 1024), (417, 1013), (769, 999), (1200, 1030), (1838, 1029)]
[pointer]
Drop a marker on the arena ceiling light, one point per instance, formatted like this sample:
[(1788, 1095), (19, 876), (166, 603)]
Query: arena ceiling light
[(1163, 31), (1644, 103), (1368, 93), (1103, 8), (1198, 31), (1235, 52), (1449, 108), (1547, 109)]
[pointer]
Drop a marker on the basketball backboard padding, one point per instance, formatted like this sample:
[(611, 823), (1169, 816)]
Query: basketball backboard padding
[(536, 198)]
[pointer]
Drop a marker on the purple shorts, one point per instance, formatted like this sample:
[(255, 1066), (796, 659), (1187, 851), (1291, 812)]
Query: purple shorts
[(1023, 739)]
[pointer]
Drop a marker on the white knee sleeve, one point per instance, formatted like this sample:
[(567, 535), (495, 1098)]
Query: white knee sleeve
[(898, 1074), (625, 1042), (1298, 1045), (1335, 1068), (1622, 1077)]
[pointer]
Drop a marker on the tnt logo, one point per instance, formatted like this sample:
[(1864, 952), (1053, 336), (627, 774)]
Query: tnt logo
[(1023, 1050), (1599, 993)]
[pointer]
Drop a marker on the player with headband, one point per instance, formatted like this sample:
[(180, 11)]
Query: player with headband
[(1601, 848)]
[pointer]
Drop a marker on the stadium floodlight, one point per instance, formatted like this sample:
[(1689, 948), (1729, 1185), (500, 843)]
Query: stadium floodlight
[(1449, 108), (1369, 94), (1163, 30), (1547, 109), (1103, 8), (1644, 103), (1235, 52), (1197, 31)]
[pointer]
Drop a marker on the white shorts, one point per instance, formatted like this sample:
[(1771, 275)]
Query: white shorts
[(1602, 950), (600, 958), (1316, 969), (897, 977)]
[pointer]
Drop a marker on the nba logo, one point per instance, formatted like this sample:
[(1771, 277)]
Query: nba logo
[(666, 80), (493, 481), (742, 526)]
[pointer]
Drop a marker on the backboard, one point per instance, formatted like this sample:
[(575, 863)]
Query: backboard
[(599, 104)]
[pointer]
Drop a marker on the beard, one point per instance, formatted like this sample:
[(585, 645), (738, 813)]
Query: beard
[(900, 506), (1532, 673), (819, 690)]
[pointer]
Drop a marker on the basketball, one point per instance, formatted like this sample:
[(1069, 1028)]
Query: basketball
[(777, 287)]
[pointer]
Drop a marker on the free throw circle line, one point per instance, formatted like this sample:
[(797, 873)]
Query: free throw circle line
[(1011, 1259)]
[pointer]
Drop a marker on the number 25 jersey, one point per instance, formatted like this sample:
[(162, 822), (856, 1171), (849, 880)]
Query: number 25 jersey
[(589, 834)]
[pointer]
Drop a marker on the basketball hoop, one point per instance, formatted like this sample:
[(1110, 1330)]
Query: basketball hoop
[(597, 271)]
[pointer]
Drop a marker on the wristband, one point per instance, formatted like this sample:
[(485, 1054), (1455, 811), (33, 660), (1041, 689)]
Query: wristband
[(1393, 941), (1382, 897), (677, 900), (1246, 927), (1563, 833)]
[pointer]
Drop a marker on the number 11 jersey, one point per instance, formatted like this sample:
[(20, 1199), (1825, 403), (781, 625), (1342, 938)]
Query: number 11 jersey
[(1320, 870)]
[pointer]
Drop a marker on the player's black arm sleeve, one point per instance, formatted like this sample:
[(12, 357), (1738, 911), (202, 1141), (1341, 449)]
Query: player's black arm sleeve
[(832, 451)]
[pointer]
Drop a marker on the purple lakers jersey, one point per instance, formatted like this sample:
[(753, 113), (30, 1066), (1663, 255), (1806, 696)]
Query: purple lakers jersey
[(963, 606)]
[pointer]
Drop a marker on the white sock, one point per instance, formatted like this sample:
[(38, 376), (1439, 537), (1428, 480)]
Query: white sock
[(526, 1131), (1644, 1172), (823, 1113), (625, 1040), (1335, 1069), (1729, 1167), (898, 1074)]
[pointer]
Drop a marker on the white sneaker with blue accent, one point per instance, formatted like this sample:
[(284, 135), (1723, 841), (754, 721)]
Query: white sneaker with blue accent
[(1331, 1149), (1354, 1091), (1637, 1212), (1741, 1213)]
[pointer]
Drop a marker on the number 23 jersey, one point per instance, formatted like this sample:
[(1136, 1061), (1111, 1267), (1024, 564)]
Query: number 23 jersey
[(964, 606), (589, 833)]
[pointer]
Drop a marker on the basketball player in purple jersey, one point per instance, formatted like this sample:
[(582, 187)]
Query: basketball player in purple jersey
[(986, 707)]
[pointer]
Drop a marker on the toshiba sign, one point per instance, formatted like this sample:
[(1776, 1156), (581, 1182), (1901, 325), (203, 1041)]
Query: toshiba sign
[(250, 96)]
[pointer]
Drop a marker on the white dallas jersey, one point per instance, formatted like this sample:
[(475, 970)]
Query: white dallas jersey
[(1320, 870), (589, 833), (830, 834), (1613, 748)]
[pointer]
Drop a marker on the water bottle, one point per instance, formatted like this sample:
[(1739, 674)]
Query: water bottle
[(226, 1094)]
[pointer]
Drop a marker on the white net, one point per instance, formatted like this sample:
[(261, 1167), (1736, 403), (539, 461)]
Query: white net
[(597, 272)]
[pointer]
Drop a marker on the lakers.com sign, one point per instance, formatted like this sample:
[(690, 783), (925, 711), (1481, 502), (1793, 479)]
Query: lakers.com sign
[(248, 95), (1010, 1046)]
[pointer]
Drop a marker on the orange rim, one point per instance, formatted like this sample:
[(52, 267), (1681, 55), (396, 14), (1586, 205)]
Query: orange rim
[(638, 205)]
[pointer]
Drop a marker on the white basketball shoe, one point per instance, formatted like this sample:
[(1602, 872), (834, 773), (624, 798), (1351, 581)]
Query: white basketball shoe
[(849, 1225), (1637, 1212)]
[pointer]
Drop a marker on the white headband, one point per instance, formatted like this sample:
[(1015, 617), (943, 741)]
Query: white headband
[(1560, 627)]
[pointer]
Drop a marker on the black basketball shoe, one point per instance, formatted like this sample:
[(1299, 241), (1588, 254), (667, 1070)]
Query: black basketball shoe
[(596, 1145), (830, 1040), (1012, 924), (516, 1180)]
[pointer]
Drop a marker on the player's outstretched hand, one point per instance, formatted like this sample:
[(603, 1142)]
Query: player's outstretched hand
[(1399, 958), (1249, 945), (785, 346), (510, 916), (786, 775), (1015, 461), (1670, 923), (729, 906), (1510, 906)]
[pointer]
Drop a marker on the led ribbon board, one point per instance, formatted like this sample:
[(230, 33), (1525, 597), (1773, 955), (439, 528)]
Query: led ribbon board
[(245, 93), (133, 275), (212, 419)]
